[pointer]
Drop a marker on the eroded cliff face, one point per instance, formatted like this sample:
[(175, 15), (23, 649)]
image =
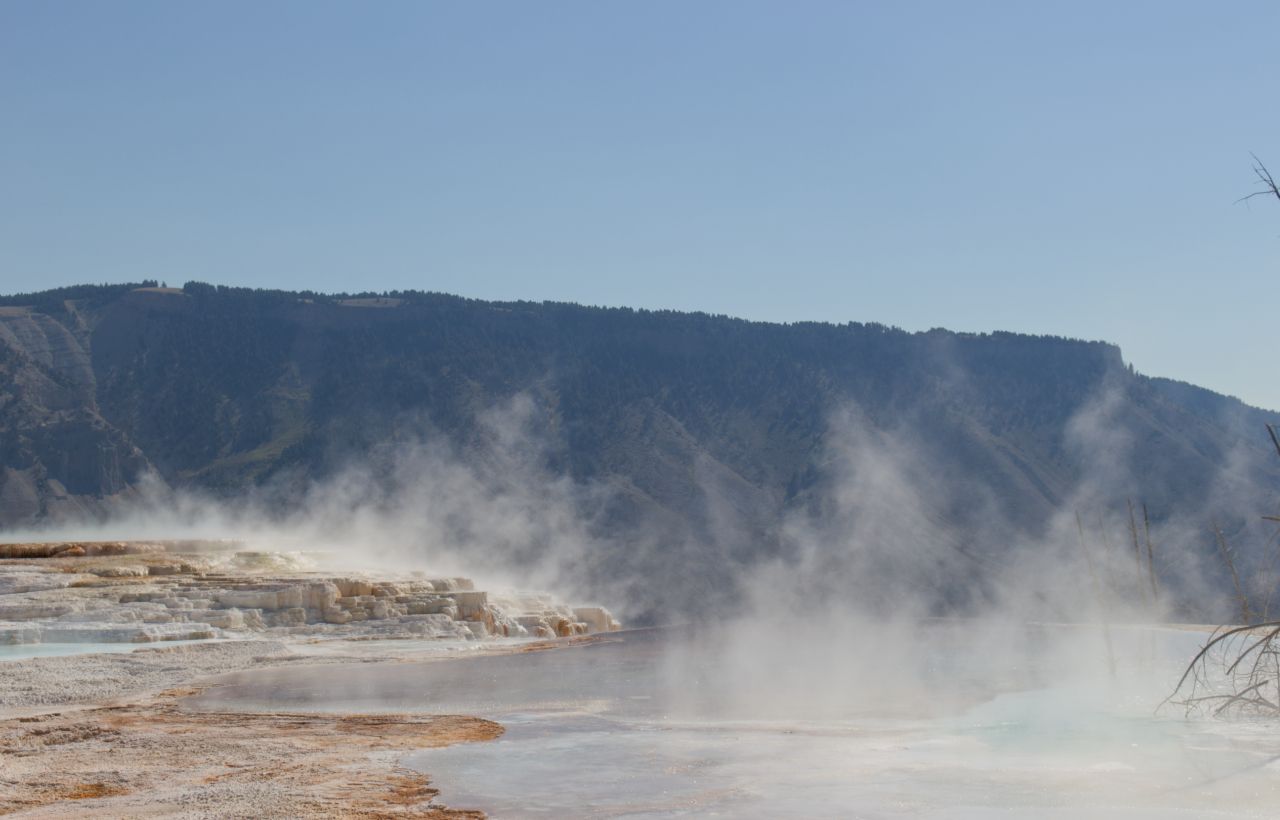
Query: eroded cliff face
[(59, 458)]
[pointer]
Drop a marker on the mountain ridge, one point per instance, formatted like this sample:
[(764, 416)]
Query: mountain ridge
[(224, 389)]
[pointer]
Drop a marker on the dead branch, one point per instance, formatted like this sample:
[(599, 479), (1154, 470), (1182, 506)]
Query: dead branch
[(1137, 549), (1151, 558), (1229, 671), (1241, 598), (1268, 189)]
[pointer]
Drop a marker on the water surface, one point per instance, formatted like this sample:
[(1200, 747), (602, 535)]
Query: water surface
[(18, 652), (652, 725)]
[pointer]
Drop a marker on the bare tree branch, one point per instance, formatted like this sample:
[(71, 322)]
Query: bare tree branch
[(1269, 187)]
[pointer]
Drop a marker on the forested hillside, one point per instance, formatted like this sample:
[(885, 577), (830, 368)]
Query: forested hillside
[(689, 418)]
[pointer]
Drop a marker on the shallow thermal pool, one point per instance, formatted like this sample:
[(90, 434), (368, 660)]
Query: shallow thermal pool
[(22, 651), (323, 648), (1023, 724)]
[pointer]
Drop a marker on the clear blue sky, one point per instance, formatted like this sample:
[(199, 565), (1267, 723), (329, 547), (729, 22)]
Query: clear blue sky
[(1066, 168)]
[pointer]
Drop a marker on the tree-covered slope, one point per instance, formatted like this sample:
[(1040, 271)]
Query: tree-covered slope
[(692, 419)]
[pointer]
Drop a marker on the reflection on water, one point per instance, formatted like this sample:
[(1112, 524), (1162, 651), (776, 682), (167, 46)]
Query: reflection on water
[(661, 673), (652, 726), (622, 673), (574, 766)]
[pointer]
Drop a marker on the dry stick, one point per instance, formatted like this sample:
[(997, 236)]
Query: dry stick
[(1112, 584), (1240, 698), (1271, 431), (1137, 551), (1151, 559), (1097, 594), (1268, 572), (1243, 600), (1275, 665), (1199, 700), (1261, 657), (1214, 639), (1108, 566), (1137, 578), (1271, 573), (1115, 585), (1253, 646), (1264, 647), (1275, 441), (1231, 700), (1268, 182)]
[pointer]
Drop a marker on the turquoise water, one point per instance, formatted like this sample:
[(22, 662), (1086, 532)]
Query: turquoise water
[(1088, 746), (18, 652), (650, 726), (579, 766)]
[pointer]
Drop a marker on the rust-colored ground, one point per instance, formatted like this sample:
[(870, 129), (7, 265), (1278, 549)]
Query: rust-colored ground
[(153, 759)]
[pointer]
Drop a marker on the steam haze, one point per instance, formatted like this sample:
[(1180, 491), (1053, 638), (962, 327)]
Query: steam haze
[(886, 529)]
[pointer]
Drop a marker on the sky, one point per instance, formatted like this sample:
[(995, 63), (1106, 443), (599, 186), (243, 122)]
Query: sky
[(1070, 168)]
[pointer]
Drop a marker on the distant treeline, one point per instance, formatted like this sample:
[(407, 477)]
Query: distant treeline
[(257, 299), (51, 301)]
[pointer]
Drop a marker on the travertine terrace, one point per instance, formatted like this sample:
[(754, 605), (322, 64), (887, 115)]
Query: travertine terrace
[(142, 592)]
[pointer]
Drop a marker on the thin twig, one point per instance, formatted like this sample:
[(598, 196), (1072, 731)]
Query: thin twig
[(1215, 638), (1269, 187), (1151, 559), (1255, 645), (1137, 551), (1241, 598)]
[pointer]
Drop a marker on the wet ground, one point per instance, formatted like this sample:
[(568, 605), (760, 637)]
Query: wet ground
[(652, 724)]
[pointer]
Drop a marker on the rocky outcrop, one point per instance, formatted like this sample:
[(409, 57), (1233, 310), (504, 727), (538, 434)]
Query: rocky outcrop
[(55, 349), (146, 592), (59, 458)]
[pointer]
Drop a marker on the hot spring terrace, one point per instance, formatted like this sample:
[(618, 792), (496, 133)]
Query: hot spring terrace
[(143, 592)]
